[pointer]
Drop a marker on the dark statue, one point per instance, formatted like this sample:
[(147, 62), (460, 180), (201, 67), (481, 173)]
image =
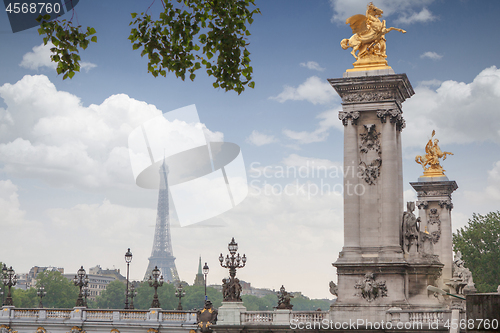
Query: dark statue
[(284, 299), (207, 317)]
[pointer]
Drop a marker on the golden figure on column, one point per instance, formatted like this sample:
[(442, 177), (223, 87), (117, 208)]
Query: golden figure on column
[(430, 162), (368, 40)]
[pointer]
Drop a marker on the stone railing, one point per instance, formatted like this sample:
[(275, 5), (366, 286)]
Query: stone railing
[(62, 320), (257, 317), (428, 317), (282, 317)]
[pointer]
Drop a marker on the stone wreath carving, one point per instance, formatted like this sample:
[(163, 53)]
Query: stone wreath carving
[(434, 222), (346, 115), (370, 143), (369, 289)]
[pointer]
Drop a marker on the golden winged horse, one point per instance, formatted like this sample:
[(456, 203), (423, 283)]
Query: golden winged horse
[(368, 34), (430, 162)]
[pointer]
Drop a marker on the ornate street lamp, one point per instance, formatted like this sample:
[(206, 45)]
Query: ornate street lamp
[(205, 272), (81, 280), (231, 289), (9, 279), (179, 293), (86, 293), (128, 259), (41, 293), (155, 283), (132, 293)]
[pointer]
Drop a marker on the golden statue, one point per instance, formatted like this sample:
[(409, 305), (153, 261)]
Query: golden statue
[(430, 162), (368, 40)]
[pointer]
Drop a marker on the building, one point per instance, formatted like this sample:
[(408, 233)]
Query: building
[(199, 280), (162, 255)]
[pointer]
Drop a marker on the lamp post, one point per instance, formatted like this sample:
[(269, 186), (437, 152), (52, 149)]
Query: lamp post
[(179, 293), (205, 272), (81, 279), (155, 283), (128, 259), (9, 279), (86, 293), (232, 288), (41, 293), (132, 293)]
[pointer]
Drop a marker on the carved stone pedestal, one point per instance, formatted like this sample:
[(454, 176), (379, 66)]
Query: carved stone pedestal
[(230, 313), (374, 274), (434, 208)]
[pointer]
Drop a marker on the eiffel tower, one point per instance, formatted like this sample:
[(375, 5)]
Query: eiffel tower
[(162, 255)]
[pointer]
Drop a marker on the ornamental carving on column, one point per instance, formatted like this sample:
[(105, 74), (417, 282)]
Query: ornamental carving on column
[(369, 289), (368, 96), (346, 115), (422, 204), (371, 154), (395, 116), (434, 225), (446, 203)]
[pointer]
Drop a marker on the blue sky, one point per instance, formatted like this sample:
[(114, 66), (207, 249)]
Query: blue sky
[(64, 168)]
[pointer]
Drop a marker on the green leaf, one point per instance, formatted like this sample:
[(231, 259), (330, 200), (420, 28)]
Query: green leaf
[(94, 39), (192, 76), (251, 84)]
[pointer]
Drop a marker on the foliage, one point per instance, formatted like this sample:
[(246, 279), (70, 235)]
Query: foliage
[(66, 39), (219, 27), (303, 303), (254, 303), (61, 292), (479, 243), (113, 297)]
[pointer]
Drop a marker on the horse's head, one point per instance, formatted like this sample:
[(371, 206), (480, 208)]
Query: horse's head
[(372, 10)]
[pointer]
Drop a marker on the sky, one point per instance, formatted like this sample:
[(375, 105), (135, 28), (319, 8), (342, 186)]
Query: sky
[(67, 191)]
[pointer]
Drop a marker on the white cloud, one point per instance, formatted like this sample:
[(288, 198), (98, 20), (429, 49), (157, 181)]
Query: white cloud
[(329, 119), (423, 16), (314, 90), (459, 112), (40, 57), (47, 134), (260, 139), (312, 65), (407, 11), (431, 55), (490, 194)]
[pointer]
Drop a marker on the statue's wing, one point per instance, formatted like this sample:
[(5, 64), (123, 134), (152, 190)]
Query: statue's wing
[(357, 23)]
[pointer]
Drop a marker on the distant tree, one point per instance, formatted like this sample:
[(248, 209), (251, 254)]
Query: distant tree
[(61, 292), (166, 296), (113, 297), (254, 303), (187, 35), (303, 303), (195, 297), (25, 298), (479, 243)]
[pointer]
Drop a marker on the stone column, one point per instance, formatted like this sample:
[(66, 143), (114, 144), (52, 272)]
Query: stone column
[(435, 205), (351, 200)]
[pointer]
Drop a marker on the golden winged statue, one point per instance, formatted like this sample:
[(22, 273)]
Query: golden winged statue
[(368, 39), (430, 162)]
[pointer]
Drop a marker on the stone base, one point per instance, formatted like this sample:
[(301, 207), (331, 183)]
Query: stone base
[(367, 289), (230, 313)]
